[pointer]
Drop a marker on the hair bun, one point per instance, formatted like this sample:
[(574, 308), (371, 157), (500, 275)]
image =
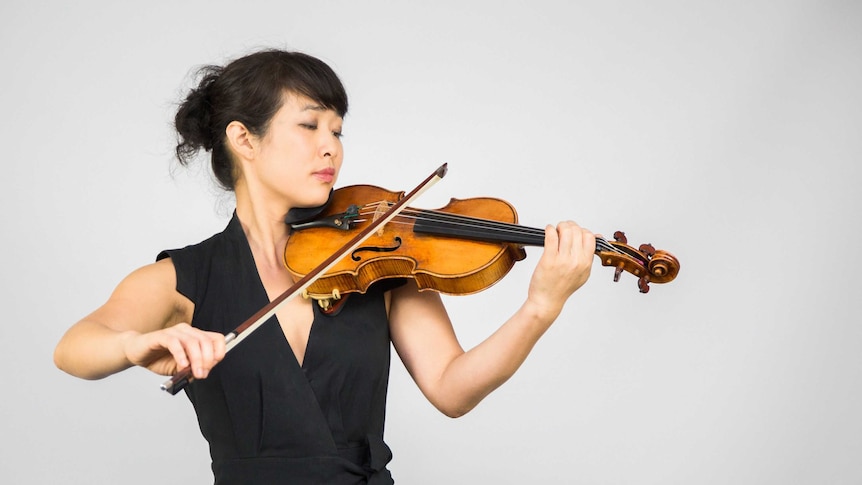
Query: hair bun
[(193, 121)]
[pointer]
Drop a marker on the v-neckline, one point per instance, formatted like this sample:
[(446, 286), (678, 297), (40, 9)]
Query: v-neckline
[(261, 288), (301, 365)]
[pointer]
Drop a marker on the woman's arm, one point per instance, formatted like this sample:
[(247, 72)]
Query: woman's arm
[(455, 381), (140, 325)]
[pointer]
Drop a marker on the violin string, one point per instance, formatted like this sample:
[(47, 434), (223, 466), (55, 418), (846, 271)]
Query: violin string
[(469, 228), (467, 221), (601, 243)]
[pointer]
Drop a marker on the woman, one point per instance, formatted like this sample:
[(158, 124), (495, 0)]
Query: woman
[(302, 399)]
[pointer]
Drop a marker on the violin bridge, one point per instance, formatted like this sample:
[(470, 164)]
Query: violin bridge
[(379, 211)]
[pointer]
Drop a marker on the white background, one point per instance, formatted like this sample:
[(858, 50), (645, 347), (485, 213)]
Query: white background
[(727, 133)]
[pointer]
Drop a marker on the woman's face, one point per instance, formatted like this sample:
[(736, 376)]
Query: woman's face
[(300, 155)]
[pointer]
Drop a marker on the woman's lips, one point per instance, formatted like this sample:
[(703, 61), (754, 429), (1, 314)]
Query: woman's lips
[(326, 175)]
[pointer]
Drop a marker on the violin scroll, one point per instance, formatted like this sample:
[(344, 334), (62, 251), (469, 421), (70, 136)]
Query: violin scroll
[(647, 263)]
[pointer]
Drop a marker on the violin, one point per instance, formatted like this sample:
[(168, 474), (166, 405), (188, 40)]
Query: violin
[(462, 248), (459, 249)]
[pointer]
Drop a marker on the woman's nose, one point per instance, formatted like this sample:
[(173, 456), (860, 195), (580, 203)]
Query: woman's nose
[(329, 146)]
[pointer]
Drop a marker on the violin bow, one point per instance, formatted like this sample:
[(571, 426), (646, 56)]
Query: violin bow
[(184, 376)]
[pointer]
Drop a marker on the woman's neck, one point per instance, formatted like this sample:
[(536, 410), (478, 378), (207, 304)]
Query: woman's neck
[(262, 221)]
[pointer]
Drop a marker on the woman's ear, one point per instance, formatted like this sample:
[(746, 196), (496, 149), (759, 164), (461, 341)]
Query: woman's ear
[(240, 141)]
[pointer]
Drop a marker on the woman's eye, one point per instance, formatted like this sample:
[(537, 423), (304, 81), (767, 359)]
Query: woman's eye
[(313, 126)]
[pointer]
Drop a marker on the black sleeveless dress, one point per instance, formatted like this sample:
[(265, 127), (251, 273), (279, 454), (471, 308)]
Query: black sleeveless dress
[(267, 419)]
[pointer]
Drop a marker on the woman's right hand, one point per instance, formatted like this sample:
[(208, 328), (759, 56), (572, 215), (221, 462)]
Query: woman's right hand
[(177, 347)]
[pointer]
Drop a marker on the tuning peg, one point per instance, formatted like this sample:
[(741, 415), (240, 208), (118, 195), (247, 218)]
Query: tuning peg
[(643, 284), (647, 249), (618, 272)]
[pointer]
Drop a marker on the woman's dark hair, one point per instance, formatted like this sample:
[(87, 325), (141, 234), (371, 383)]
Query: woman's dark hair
[(249, 90)]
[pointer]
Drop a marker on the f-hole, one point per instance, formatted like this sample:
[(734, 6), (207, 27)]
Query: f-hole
[(377, 249)]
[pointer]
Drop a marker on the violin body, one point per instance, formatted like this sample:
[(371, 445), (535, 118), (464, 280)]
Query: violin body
[(450, 265), (459, 249)]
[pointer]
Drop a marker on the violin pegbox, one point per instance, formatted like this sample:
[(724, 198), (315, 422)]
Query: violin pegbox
[(647, 263)]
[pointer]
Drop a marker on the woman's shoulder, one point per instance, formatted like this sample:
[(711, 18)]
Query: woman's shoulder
[(152, 289), (204, 247), (194, 265)]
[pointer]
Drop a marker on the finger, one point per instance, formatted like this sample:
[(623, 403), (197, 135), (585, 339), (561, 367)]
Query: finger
[(207, 359), (212, 350), (219, 346), (589, 242), (205, 342), (552, 240), (195, 353), (175, 346), (191, 339), (566, 230)]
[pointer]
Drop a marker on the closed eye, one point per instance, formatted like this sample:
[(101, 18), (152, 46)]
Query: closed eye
[(312, 127)]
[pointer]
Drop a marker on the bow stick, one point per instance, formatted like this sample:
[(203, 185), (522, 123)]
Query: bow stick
[(184, 376)]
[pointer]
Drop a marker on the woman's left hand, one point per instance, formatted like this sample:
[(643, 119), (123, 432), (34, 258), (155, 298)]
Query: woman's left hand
[(563, 268)]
